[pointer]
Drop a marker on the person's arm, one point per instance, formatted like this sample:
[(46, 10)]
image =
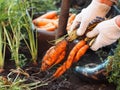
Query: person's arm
[(108, 2)]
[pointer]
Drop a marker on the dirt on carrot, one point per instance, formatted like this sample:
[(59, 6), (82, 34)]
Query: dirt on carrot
[(54, 55), (81, 47)]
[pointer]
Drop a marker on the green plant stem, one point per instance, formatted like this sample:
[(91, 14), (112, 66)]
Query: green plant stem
[(1, 46), (32, 46)]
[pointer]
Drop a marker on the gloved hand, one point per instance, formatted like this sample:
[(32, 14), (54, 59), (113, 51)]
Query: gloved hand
[(107, 32), (88, 14)]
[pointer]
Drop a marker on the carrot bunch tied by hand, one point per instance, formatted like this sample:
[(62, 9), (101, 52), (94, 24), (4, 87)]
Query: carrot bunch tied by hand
[(58, 51)]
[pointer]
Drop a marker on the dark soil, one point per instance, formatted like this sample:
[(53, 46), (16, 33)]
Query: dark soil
[(68, 81), (74, 81)]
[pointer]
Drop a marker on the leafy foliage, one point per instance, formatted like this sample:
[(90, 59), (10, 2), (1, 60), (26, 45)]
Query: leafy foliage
[(118, 4), (3, 9), (43, 5), (14, 13), (115, 72), (15, 24)]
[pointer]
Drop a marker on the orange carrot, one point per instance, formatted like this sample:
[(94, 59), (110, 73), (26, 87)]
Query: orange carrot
[(71, 18), (58, 60), (61, 57), (45, 63), (56, 17), (81, 52), (59, 71), (52, 54), (51, 28), (55, 23), (68, 26), (49, 15), (73, 53), (48, 27), (41, 22), (66, 65)]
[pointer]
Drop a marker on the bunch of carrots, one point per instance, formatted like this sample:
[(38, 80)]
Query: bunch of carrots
[(49, 21), (57, 53)]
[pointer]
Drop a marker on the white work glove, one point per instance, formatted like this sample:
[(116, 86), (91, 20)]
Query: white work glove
[(87, 15), (107, 32)]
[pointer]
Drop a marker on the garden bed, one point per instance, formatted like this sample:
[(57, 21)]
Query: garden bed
[(69, 81), (22, 61)]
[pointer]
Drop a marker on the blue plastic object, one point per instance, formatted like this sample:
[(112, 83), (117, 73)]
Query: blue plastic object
[(93, 70)]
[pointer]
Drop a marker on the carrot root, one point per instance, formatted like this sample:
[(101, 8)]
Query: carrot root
[(67, 64), (49, 15), (81, 52), (54, 55)]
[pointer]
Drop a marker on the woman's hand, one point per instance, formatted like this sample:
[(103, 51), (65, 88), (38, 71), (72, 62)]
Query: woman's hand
[(88, 14), (107, 32)]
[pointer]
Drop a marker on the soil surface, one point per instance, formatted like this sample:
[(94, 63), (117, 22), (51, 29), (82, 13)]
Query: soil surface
[(69, 80), (74, 81)]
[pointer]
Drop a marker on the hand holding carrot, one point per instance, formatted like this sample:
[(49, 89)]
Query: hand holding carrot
[(88, 14), (108, 32)]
